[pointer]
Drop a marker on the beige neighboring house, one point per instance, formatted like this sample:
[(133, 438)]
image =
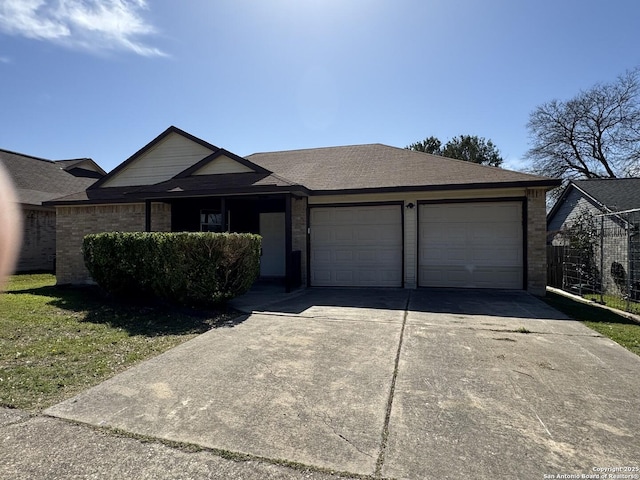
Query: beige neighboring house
[(38, 180), (362, 215)]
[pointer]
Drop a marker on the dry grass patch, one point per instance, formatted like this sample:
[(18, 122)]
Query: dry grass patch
[(57, 341)]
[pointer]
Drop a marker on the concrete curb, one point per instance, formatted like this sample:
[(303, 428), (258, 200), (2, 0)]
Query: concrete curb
[(578, 298)]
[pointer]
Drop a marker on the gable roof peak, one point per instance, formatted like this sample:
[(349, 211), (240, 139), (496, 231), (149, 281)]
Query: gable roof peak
[(165, 134)]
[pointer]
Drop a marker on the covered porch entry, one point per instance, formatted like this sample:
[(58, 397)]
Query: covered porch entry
[(266, 215)]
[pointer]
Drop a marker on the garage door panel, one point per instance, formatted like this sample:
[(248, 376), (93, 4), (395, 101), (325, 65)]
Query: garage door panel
[(343, 234), (476, 245), (356, 246), (324, 234), (323, 217), (341, 256), (344, 276), (496, 277)]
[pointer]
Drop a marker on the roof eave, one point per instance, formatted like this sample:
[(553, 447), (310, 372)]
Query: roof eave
[(255, 190), (546, 184), (138, 197)]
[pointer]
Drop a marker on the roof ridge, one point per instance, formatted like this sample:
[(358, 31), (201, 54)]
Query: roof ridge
[(320, 148)]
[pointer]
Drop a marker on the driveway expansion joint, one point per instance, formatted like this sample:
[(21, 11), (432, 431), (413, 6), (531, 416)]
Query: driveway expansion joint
[(387, 418)]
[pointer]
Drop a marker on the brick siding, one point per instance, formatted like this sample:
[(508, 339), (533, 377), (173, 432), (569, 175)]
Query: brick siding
[(73, 223), (38, 248)]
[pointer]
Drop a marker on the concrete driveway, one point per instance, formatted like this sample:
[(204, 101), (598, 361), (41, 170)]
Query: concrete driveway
[(406, 384)]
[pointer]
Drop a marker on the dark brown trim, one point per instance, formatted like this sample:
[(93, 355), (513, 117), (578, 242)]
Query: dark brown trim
[(436, 188), (255, 190), (222, 152), (147, 216), (223, 212), (138, 197), (399, 203), (148, 147), (525, 243), (309, 284), (358, 204), (523, 202), (288, 244), (472, 200), (402, 273)]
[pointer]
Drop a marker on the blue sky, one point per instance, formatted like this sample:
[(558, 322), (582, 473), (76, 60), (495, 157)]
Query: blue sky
[(101, 78)]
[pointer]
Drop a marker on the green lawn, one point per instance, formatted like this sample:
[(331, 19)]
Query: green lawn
[(620, 329), (615, 302), (57, 341)]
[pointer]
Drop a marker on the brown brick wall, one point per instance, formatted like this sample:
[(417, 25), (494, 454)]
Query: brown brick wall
[(38, 248), (536, 242), (299, 231), (73, 223)]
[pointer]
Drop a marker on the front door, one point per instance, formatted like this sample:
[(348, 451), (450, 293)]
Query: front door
[(272, 230)]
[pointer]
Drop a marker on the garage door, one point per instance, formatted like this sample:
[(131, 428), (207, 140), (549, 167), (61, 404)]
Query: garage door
[(473, 245), (356, 246)]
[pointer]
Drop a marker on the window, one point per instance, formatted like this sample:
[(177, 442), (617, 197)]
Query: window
[(210, 221)]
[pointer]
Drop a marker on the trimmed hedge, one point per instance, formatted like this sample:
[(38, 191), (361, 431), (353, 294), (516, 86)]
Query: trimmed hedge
[(188, 268)]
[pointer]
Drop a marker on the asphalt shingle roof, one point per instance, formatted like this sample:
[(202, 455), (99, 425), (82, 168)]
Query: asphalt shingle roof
[(38, 180), (617, 194), (379, 166), (349, 169)]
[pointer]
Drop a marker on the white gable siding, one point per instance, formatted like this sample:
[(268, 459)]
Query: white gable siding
[(165, 160), (223, 164)]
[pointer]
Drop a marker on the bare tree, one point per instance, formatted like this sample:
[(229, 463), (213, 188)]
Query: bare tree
[(594, 135)]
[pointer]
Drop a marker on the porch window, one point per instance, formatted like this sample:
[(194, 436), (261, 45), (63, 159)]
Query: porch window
[(210, 221)]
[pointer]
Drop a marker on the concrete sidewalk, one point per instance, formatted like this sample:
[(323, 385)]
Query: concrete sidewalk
[(376, 383), (42, 447)]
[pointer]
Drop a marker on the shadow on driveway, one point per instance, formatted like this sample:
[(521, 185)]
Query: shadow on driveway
[(500, 303)]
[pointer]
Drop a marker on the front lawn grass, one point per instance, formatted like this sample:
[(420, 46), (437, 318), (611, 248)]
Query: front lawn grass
[(615, 302), (620, 329), (57, 341)]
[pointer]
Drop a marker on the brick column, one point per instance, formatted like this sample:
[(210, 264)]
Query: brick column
[(536, 242)]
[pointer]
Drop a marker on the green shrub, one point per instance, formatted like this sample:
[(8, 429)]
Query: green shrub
[(187, 268)]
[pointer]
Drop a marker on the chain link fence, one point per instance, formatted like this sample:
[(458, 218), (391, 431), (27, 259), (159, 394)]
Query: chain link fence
[(599, 258)]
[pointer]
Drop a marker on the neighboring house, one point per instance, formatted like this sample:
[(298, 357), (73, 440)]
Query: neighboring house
[(610, 207), (38, 180), (366, 215)]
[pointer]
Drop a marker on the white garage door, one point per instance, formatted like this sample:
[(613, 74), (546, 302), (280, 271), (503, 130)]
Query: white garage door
[(471, 245), (356, 246)]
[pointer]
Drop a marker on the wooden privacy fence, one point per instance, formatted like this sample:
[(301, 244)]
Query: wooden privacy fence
[(555, 261)]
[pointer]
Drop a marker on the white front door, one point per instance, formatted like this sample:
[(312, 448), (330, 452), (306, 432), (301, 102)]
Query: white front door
[(272, 230)]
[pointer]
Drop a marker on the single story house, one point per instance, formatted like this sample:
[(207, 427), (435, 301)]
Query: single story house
[(363, 215), (38, 180), (611, 206)]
